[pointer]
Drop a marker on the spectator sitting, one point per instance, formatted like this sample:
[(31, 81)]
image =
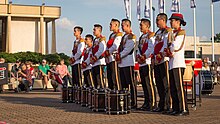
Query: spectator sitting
[(15, 68), (23, 79), (30, 74), (44, 72), (55, 80), (62, 70), (2, 60)]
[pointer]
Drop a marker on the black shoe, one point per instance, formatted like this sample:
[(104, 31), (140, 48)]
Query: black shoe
[(158, 109), (175, 113), (144, 107), (184, 113), (134, 107)]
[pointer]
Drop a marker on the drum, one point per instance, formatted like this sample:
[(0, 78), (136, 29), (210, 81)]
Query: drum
[(98, 100), (118, 102), (84, 96), (90, 97), (207, 85), (78, 95), (65, 95), (70, 94)]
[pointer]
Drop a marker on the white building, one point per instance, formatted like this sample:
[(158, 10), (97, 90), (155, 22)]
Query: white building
[(25, 27), (202, 47)]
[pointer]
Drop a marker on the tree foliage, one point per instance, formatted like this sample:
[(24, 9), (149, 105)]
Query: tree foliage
[(217, 38), (34, 57)]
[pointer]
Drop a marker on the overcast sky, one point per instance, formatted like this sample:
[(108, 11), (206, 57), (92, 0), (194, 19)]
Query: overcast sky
[(88, 12)]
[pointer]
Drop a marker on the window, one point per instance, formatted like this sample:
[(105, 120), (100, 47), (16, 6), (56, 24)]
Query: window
[(2, 34)]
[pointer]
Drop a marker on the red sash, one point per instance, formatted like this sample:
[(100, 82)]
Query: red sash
[(86, 55), (158, 47), (110, 42), (144, 48)]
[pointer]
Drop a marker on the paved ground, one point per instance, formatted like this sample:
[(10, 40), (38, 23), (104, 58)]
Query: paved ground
[(43, 107)]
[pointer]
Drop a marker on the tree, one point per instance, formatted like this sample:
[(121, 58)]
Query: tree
[(217, 38)]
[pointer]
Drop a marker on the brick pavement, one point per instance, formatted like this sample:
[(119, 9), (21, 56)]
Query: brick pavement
[(42, 107)]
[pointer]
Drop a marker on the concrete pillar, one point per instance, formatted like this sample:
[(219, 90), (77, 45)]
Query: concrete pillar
[(42, 32), (8, 38), (46, 38), (53, 48)]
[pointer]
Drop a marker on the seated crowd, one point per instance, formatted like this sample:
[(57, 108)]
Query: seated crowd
[(25, 74)]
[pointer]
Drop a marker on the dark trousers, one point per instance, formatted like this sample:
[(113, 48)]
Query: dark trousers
[(97, 73), (179, 98), (65, 81), (76, 75), (161, 74), (148, 86), (88, 81), (126, 79), (112, 75)]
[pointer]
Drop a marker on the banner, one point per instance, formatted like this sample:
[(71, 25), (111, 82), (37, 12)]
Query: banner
[(192, 3), (175, 6), (147, 9), (127, 8), (161, 6)]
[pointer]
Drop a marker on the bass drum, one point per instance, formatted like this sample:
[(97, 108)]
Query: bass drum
[(207, 82), (118, 102)]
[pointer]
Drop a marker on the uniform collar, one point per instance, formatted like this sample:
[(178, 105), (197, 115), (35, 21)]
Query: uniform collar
[(177, 30)]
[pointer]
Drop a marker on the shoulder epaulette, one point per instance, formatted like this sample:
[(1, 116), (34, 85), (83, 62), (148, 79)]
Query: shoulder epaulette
[(181, 32), (168, 29), (119, 34), (102, 38), (131, 36), (150, 34), (82, 40)]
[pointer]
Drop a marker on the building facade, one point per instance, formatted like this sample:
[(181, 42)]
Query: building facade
[(203, 48), (25, 27)]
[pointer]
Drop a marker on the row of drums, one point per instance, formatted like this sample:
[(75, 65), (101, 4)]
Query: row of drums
[(104, 100)]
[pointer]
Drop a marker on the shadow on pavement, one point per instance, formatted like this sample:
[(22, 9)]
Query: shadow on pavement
[(48, 102)]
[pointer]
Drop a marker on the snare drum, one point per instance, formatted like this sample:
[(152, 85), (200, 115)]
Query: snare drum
[(84, 97), (90, 97), (99, 100), (118, 102), (70, 94), (65, 95), (78, 95)]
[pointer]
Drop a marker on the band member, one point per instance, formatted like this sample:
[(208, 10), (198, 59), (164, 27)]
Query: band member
[(86, 66), (143, 57), (177, 65), (76, 58), (161, 69), (126, 60), (112, 47), (97, 58)]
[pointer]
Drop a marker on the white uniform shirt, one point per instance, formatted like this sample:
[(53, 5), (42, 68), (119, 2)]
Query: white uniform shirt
[(102, 47), (79, 44), (145, 39), (114, 48), (177, 60), (128, 44)]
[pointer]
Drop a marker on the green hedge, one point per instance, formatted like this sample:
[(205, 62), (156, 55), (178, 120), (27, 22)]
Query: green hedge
[(34, 57)]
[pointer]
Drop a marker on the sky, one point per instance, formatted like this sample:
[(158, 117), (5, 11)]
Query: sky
[(86, 13)]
